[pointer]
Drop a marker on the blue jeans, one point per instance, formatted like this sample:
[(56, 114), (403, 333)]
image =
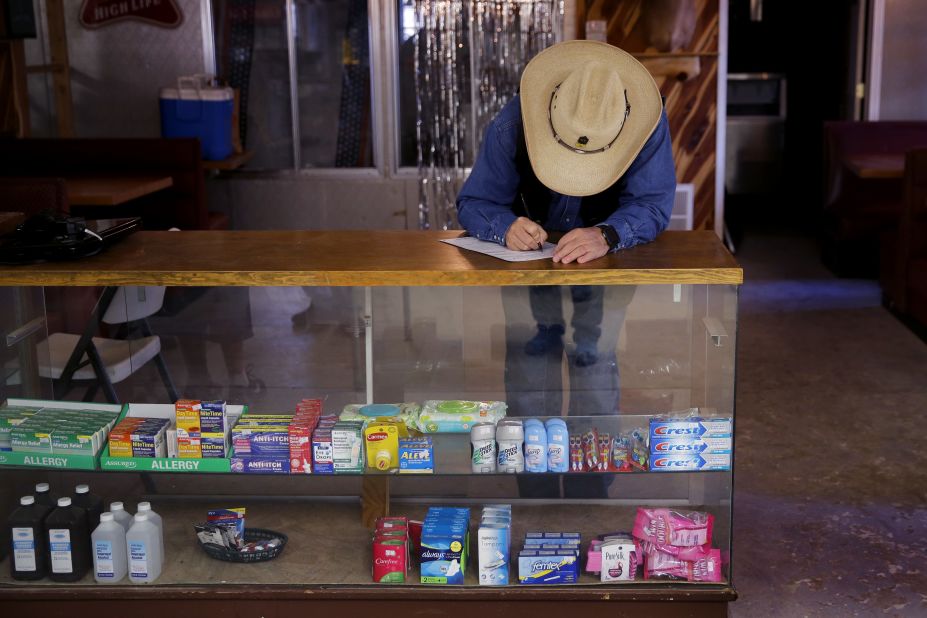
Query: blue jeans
[(534, 383)]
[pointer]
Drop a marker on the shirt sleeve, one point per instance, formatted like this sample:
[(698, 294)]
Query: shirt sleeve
[(484, 204), (648, 189)]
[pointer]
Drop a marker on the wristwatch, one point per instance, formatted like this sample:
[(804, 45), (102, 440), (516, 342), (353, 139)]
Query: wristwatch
[(610, 234)]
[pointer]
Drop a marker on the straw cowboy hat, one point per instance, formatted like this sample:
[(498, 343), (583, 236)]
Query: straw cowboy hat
[(588, 108)]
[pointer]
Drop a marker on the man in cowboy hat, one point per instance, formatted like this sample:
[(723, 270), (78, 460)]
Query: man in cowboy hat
[(583, 150)]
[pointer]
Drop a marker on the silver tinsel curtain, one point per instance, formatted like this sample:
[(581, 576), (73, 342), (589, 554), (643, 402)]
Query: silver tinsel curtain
[(469, 55)]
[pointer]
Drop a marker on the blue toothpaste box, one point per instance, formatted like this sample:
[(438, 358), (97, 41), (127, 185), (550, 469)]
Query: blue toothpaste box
[(682, 462), (688, 446), (548, 567), (690, 427)]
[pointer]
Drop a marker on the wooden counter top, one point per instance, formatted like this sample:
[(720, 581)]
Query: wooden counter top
[(367, 258)]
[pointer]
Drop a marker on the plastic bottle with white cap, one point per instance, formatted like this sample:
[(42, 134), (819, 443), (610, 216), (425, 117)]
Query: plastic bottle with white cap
[(68, 542), (43, 495), (108, 541), (145, 507), (28, 560), (121, 515), (143, 550), (89, 502)]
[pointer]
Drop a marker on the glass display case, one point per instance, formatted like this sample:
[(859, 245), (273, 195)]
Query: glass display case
[(635, 353)]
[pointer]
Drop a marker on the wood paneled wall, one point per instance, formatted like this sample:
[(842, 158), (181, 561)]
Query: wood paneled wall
[(686, 73)]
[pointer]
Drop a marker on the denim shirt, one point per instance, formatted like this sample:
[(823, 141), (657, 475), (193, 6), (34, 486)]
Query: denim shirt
[(484, 204)]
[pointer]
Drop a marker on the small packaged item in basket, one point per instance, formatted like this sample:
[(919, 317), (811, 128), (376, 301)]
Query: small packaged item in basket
[(231, 523)]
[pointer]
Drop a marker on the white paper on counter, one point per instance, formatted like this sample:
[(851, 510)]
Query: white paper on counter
[(498, 251)]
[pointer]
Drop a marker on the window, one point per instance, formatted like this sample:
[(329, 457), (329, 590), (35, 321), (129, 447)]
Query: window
[(307, 60)]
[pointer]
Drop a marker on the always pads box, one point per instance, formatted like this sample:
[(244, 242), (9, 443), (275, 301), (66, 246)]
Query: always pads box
[(444, 541), (690, 427), (688, 462), (443, 558)]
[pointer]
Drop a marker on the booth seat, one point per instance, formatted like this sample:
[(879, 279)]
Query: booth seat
[(904, 252), (183, 205), (857, 211)]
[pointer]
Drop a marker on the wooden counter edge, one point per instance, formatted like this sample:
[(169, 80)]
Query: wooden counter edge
[(642, 591), (375, 278)]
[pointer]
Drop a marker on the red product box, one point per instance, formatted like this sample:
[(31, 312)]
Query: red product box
[(300, 435), (390, 560)]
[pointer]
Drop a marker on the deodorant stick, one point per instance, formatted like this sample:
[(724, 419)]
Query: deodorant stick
[(510, 436), (483, 448)]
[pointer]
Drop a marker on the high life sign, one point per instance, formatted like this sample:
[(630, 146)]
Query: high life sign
[(162, 13)]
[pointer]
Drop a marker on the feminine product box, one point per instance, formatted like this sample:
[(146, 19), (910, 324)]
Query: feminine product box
[(688, 462), (617, 562), (667, 446), (493, 547), (539, 566), (690, 427), (443, 557), (390, 559)]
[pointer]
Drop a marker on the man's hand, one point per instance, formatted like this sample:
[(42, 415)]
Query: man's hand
[(581, 245), (525, 235)]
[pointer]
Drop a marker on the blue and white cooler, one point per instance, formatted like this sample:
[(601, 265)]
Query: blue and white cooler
[(198, 107)]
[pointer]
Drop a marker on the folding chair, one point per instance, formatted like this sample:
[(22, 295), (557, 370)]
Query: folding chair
[(68, 358)]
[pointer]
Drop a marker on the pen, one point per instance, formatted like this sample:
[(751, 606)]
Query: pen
[(528, 214)]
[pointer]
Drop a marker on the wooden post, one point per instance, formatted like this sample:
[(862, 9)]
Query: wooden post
[(374, 499), (14, 94), (61, 77)]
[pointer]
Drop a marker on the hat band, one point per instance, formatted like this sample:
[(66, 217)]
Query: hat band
[(550, 120)]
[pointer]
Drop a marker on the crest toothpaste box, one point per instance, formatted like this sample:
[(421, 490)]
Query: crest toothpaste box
[(688, 462), (664, 446), (690, 427)]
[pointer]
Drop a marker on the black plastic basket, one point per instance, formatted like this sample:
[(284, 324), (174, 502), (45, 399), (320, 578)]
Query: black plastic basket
[(251, 535)]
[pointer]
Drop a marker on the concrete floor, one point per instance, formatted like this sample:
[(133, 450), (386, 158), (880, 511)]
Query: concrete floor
[(830, 515)]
